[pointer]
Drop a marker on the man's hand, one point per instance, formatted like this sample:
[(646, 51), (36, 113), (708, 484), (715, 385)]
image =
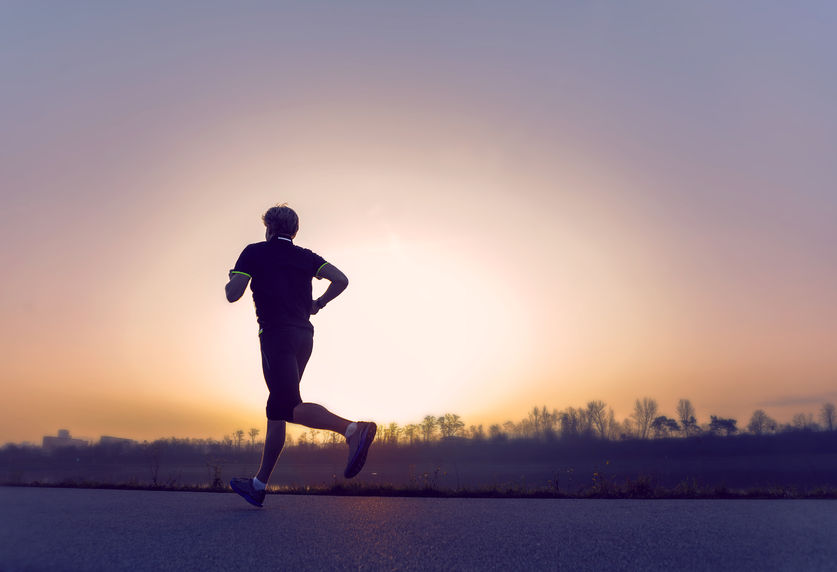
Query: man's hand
[(338, 284), (315, 307)]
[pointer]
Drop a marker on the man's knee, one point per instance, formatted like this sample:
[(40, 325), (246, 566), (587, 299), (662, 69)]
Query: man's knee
[(280, 410)]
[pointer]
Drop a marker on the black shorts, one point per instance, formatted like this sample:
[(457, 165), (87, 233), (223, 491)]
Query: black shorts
[(285, 352)]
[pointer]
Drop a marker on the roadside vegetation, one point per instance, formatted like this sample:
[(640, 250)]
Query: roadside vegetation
[(577, 452)]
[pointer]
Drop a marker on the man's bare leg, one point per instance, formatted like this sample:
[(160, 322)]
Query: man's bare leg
[(308, 414), (318, 417), (360, 436), (274, 440)]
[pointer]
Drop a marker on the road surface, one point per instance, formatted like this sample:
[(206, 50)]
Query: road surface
[(74, 529)]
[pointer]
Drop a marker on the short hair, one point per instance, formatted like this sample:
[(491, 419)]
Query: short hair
[(281, 220)]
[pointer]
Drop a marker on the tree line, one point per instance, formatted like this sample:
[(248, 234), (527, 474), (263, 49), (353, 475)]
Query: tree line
[(595, 420)]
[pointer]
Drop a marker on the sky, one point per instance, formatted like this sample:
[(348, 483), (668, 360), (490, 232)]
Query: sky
[(536, 203)]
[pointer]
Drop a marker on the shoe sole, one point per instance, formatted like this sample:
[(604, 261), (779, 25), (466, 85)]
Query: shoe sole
[(357, 463), (245, 495)]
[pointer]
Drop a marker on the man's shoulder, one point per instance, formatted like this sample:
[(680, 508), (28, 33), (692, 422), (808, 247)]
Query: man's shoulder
[(255, 246), (303, 250), (280, 249)]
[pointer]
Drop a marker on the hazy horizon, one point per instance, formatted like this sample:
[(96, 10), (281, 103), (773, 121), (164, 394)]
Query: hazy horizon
[(537, 204), (294, 431)]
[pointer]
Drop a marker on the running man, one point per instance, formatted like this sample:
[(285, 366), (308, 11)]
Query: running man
[(279, 274)]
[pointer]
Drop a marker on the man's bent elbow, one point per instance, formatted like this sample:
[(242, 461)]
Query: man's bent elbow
[(232, 296)]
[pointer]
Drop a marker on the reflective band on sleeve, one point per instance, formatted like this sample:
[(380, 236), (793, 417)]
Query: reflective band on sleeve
[(320, 268), (242, 273)]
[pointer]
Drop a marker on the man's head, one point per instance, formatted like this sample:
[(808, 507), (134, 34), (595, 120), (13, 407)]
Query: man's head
[(280, 220)]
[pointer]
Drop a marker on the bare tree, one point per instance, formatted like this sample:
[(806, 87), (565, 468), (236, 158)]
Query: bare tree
[(428, 427), (575, 422), (313, 436), (827, 416), (535, 421), (456, 423), (253, 432), (612, 427), (760, 423), (645, 411), (476, 432), (411, 432), (628, 429), (451, 425), (686, 415), (510, 428), (803, 422), (550, 422), (392, 433), (495, 432), (238, 435), (383, 434), (570, 423), (526, 428), (540, 423), (598, 417)]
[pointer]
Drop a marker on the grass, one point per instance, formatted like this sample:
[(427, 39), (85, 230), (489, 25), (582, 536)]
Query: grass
[(600, 488)]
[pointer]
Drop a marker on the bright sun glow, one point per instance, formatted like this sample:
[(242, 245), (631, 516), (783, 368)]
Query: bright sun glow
[(526, 217)]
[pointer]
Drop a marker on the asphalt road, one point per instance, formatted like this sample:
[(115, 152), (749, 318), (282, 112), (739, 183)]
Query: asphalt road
[(72, 529)]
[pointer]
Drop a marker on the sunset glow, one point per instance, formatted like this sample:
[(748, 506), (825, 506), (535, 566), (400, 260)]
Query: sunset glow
[(534, 204)]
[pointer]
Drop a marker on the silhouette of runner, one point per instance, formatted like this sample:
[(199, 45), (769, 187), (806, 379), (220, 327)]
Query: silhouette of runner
[(279, 274)]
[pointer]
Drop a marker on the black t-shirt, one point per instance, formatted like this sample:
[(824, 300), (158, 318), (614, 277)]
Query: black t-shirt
[(280, 277)]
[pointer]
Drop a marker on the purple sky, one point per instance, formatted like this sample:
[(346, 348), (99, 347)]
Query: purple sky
[(537, 203)]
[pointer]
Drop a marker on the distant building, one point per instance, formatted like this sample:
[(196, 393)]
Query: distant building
[(108, 440), (63, 439)]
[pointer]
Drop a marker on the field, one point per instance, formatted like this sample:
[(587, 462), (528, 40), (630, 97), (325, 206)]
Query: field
[(786, 464)]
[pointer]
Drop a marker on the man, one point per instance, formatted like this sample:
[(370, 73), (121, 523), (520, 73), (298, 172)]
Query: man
[(279, 274)]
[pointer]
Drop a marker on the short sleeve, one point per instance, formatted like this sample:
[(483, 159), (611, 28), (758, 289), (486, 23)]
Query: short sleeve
[(246, 263), (318, 263)]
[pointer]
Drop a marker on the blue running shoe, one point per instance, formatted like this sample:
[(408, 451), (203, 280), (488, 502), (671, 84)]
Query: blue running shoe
[(359, 446), (245, 488)]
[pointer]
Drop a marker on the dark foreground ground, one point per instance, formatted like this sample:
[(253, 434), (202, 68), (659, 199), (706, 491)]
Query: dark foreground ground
[(72, 529), (788, 464)]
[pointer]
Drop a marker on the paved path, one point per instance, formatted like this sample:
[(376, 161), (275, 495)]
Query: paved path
[(71, 529)]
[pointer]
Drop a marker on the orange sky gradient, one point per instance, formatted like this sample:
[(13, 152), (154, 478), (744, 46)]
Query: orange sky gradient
[(535, 205)]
